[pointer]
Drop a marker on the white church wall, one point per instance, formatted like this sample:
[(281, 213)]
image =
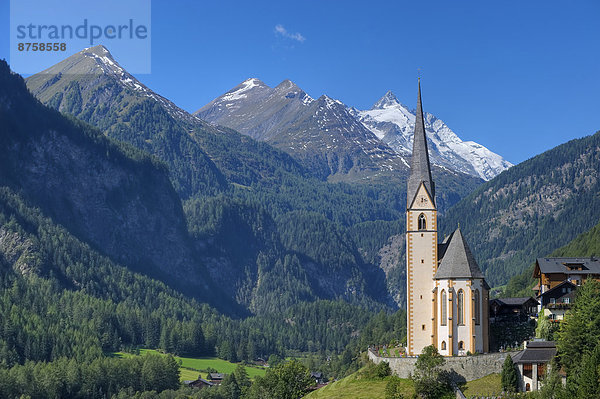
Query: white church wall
[(468, 332)]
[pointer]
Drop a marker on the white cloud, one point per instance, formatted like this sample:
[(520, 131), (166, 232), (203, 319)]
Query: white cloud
[(280, 30)]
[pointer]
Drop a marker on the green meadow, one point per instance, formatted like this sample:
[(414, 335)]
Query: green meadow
[(191, 367), (356, 387)]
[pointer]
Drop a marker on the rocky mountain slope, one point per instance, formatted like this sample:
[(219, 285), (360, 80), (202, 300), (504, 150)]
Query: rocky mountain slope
[(109, 195), (320, 133), (233, 211), (324, 131), (394, 123), (92, 86), (246, 202)]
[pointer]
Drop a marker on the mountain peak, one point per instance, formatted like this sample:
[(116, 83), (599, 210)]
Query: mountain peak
[(241, 91), (102, 57), (98, 63), (394, 123), (388, 100), (286, 82), (287, 86), (89, 61), (253, 82), (98, 50), (290, 90), (330, 102)]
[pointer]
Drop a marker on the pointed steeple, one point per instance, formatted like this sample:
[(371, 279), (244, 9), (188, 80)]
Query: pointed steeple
[(420, 169)]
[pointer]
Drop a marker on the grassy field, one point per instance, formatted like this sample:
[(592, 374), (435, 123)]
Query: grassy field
[(354, 387), (191, 367), (490, 385)]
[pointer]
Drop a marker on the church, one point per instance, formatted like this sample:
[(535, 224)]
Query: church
[(447, 295)]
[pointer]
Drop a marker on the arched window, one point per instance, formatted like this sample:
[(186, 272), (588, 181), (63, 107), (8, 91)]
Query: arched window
[(422, 222), (461, 345), (476, 307), (460, 307), (444, 310), (443, 345)]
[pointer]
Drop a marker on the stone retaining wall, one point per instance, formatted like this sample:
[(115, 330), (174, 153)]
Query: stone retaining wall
[(462, 368)]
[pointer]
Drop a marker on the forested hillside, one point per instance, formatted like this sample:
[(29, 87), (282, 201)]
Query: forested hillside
[(107, 194), (585, 244), (260, 233), (531, 209), (63, 297)]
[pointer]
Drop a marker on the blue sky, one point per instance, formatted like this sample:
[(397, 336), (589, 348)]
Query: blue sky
[(519, 77)]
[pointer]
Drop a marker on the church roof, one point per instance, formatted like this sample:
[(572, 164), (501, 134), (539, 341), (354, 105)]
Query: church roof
[(420, 169), (458, 261), (443, 246)]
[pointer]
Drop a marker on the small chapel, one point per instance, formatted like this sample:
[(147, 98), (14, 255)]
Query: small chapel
[(447, 295)]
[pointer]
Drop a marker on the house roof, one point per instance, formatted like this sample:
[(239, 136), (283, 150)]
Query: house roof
[(458, 261), (537, 352), (589, 265), (420, 169), (558, 288), (202, 380), (516, 301), (216, 376)]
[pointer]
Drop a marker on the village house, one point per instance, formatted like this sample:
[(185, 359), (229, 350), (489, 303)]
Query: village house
[(551, 272), (199, 383), (557, 301), (513, 308), (533, 364), (216, 378)]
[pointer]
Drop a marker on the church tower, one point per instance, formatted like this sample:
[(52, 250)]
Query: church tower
[(421, 244)]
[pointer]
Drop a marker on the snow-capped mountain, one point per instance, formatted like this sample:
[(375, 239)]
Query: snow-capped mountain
[(98, 62), (92, 86), (394, 123), (321, 133)]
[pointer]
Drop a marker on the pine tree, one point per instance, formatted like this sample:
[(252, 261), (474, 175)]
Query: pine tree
[(393, 389), (241, 376), (231, 388), (588, 377), (580, 331), (510, 378)]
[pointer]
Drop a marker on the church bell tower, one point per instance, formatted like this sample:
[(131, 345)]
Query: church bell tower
[(421, 244)]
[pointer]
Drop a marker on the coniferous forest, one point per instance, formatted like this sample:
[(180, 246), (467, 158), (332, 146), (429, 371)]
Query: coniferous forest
[(66, 305)]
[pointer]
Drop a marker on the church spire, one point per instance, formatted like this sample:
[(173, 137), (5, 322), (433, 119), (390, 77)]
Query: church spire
[(420, 170)]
